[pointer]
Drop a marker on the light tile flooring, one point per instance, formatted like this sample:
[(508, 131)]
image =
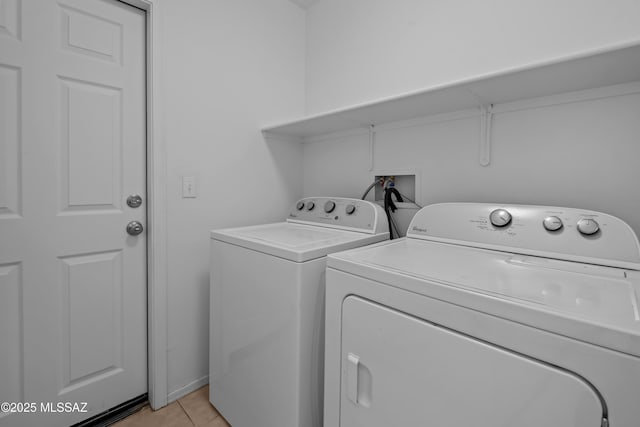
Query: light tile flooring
[(192, 410)]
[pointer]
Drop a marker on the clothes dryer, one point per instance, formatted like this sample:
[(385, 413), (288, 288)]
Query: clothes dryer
[(267, 310), (487, 315)]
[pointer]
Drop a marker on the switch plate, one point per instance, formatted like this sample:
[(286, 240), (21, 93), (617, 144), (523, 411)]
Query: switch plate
[(189, 187)]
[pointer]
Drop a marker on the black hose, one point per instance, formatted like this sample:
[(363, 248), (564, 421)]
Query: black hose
[(390, 207)]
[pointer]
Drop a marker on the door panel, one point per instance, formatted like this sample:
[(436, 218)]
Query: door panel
[(91, 35), (91, 146), (399, 370), (72, 148), (92, 326), (11, 333), (9, 140)]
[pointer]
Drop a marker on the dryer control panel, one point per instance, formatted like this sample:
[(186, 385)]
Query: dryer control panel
[(337, 212), (552, 232)]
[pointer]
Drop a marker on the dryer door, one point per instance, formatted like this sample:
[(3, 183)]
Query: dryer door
[(402, 371)]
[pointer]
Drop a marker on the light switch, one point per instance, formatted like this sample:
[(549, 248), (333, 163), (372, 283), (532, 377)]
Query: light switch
[(189, 187)]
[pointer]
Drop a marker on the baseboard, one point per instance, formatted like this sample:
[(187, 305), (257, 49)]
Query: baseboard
[(183, 391)]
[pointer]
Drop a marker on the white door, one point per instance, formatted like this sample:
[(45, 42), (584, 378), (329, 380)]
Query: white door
[(72, 148), (401, 371)]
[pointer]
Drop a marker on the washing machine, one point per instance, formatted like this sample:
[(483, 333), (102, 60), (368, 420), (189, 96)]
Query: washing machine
[(487, 315), (267, 310)]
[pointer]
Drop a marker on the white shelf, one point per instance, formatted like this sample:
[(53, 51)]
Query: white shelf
[(605, 67)]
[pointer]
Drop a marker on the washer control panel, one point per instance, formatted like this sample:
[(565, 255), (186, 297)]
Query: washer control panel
[(565, 233), (338, 212)]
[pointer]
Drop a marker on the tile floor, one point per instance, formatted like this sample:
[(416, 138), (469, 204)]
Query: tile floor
[(192, 410)]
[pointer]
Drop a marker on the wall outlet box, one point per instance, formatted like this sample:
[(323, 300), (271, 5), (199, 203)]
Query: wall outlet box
[(406, 182)]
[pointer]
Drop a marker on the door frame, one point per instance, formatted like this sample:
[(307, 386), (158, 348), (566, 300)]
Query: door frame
[(157, 327)]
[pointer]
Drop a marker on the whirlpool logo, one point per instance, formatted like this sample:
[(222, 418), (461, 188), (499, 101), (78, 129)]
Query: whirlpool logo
[(418, 229)]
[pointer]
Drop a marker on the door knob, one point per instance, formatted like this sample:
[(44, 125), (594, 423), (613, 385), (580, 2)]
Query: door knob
[(134, 201), (134, 228)]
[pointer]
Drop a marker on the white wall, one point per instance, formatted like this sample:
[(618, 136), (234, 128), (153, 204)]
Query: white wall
[(228, 65), (359, 50), (577, 155)]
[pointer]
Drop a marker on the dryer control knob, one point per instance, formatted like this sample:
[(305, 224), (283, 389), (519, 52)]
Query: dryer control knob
[(588, 226), (500, 217), (552, 223), (310, 206), (300, 205), (329, 206), (350, 209)]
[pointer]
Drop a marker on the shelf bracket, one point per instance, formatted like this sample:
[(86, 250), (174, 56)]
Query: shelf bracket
[(486, 121), (372, 136)]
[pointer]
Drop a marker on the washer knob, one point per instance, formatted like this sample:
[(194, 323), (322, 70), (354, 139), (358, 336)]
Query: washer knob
[(588, 226), (300, 205), (552, 223), (310, 206), (350, 209), (329, 206), (500, 217)]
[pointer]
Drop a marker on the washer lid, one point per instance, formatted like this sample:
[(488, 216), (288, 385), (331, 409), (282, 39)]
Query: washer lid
[(589, 302), (295, 242)]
